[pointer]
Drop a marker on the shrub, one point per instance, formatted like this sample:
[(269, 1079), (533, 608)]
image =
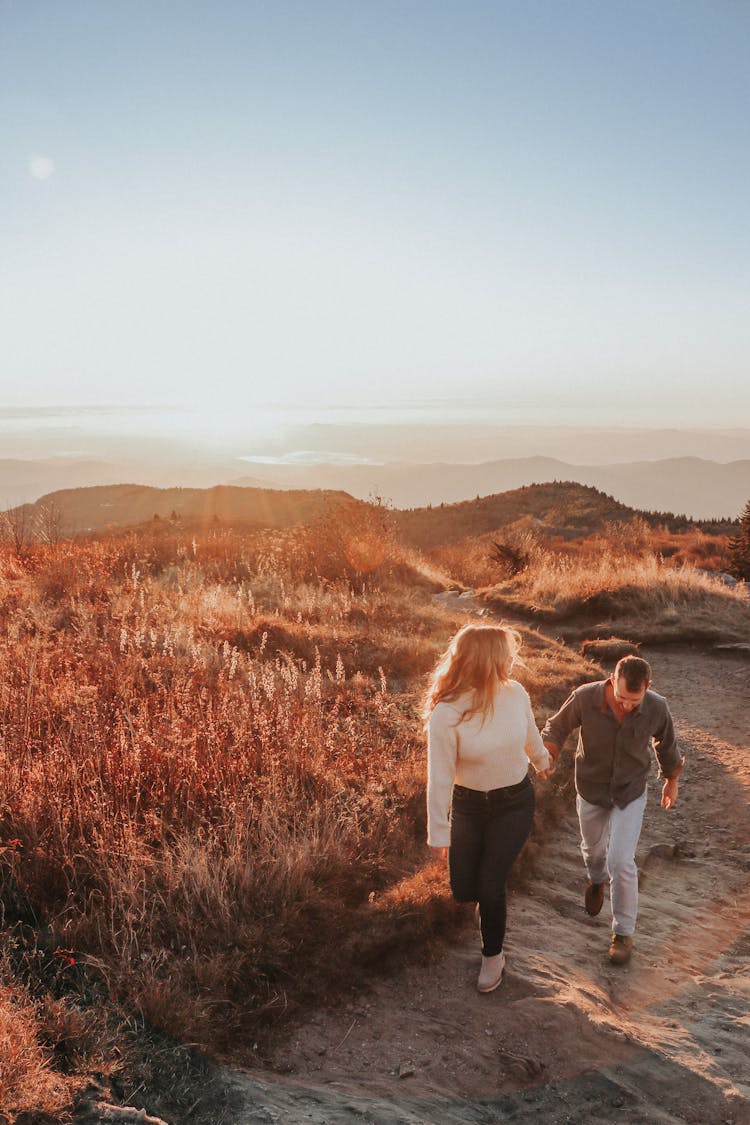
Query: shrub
[(740, 547), (608, 650)]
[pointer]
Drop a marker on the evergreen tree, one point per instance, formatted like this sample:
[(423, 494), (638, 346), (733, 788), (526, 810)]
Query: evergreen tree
[(739, 547)]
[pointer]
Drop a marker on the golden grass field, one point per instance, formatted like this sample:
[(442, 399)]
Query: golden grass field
[(213, 776)]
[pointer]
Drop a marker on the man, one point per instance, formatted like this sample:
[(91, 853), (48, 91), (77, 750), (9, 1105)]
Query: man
[(617, 720)]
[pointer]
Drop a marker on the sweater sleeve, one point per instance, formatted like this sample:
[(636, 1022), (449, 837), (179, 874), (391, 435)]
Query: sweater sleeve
[(535, 749), (442, 750)]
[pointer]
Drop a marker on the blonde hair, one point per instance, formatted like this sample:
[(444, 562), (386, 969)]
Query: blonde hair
[(478, 660)]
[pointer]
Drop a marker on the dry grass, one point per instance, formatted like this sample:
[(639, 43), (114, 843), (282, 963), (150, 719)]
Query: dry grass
[(473, 561), (27, 1079), (171, 788), (213, 775), (213, 769), (638, 597)]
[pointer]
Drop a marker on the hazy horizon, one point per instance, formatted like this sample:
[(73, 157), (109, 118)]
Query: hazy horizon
[(344, 436), (412, 464)]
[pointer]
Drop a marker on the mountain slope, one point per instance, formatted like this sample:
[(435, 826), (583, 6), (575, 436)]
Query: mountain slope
[(564, 507), (90, 509)]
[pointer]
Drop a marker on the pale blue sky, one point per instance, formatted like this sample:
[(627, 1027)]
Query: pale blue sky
[(531, 211)]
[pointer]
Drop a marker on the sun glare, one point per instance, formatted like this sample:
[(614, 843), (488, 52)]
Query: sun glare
[(41, 167)]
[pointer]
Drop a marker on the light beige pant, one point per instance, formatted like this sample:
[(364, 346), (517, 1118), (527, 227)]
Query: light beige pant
[(609, 838)]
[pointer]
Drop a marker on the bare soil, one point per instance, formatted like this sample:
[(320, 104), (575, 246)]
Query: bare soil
[(567, 1037)]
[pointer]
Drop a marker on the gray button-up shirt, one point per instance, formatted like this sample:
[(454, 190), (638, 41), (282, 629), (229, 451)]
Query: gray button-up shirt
[(613, 759)]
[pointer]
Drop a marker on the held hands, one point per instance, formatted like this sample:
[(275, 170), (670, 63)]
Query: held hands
[(554, 752), (669, 793)]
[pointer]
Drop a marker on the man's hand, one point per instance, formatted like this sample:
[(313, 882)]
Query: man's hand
[(439, 853), (669, 793), (553, 751)]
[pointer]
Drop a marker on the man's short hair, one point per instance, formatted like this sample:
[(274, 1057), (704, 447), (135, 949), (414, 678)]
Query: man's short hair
[(635, 671)]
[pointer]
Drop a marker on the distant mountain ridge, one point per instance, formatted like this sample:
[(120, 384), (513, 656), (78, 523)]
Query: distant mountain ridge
[(691, 485), (22, 481)]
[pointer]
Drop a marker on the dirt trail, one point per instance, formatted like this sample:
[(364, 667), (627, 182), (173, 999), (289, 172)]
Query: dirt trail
[(567, 1037)]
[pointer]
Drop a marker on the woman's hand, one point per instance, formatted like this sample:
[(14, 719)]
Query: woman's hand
[(439, 853), (549, 770)]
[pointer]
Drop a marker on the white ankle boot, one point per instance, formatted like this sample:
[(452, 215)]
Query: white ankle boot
[(491, 972)]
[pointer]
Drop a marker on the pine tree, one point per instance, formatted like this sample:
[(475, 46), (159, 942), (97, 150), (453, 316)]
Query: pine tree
[(739, 546)]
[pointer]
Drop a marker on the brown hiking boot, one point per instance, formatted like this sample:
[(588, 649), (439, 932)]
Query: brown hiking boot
[(594, 899), (620, 949)]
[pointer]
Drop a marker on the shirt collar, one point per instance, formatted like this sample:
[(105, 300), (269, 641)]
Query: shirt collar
[(602, 687)]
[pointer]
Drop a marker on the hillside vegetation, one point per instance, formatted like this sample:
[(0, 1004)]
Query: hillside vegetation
[(633, 595), (213, 794), (566, 509), (563, 508), (569, 556), (73, 510), (213, 765)]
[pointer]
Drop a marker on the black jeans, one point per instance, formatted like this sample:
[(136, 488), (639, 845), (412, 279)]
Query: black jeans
[(488, 831)]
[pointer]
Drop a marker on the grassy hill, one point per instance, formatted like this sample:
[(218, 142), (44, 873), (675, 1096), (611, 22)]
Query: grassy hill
[(105, 506), (565, 552), (565, 507)]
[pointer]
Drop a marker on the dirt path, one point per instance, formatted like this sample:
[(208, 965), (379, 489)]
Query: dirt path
[(567, 1037)]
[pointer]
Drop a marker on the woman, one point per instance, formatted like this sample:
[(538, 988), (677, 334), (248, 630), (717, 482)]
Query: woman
[(481, 736)]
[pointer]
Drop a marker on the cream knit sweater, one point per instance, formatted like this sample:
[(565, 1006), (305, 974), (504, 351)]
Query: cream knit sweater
[(478, 755)]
